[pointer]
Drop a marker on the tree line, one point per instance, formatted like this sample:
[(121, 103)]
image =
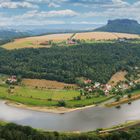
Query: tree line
[(17, 132)]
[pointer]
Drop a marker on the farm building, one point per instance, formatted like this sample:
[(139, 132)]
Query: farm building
[(71, 41), (12, 80)]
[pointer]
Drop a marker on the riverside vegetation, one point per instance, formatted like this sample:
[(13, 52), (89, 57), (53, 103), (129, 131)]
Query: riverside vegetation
[(16, 132)]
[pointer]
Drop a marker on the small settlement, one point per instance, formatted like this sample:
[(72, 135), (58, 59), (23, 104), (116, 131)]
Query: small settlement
[(107, 89), (12, 80)]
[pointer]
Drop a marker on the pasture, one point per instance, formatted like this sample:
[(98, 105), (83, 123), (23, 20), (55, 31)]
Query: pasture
[(47, 98), (47, 84)]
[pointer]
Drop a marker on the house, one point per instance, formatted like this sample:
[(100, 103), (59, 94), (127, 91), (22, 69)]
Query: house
[(90, 90), (88, 81), (12, 80), (123, 86), (44, 43), (131, 84), (136, 68), (106, 92), (122, 40), (107, 88), (71, 42), (97, 85)]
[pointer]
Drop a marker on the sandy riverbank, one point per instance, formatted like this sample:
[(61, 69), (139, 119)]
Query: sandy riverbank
[(59, 110)]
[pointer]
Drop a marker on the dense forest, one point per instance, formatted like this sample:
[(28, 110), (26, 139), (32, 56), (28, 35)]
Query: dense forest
[(16, 132), (96, 61)]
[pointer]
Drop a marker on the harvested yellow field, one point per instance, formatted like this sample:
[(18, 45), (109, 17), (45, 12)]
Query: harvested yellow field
[(47, 84), (34, 42), (104, 36), (40, 41), (117, 77)]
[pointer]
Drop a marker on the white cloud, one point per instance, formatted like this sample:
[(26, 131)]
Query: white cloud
[(13, 5), (86, 22), (110, 10), (36, 17), (53, 5), (49, 14), (50, 3), (10, 21), (119, 9)]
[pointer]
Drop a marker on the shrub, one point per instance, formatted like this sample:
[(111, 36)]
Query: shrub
[(61, 103)]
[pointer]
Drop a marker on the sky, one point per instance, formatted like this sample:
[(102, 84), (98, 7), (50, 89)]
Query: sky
[(66, 12)]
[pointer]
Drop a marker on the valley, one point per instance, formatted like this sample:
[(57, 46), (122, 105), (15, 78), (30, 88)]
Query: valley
[(69, 70)]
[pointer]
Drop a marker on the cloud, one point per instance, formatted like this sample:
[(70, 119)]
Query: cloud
[(50, 3), (53, 5), (49, 14), (14, 4), (87, 11), (118, 9), (99, 3), (84, 3), (10, 21), (36, 17)]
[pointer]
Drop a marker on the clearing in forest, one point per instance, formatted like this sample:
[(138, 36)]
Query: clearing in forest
[(117, 77)]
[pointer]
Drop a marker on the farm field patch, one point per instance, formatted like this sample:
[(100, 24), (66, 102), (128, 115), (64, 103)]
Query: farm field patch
[(104, 36), (35, 42), (48, 84)]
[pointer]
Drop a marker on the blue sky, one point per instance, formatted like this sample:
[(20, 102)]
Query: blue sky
[(72, 12)]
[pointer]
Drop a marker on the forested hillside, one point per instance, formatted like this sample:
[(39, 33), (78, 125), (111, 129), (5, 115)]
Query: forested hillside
[(96, 61)]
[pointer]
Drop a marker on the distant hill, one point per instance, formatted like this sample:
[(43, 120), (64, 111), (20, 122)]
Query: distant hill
[(10, 34), (121, 26)]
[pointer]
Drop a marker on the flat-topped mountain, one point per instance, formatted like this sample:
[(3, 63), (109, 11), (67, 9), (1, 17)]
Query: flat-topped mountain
[(122, 26)]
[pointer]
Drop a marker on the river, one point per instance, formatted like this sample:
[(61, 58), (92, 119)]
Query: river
[(80, 120)]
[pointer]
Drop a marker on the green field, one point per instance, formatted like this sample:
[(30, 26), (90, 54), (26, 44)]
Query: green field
[(42, 97)]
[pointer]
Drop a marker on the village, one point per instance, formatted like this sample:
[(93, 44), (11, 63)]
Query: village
[(122, 87)]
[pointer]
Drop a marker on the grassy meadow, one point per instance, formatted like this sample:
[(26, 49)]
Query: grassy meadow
[(45, 97)]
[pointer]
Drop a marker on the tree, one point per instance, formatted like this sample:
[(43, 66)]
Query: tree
[(118, 98), (81, 92), (61, 103), (129, 96)]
